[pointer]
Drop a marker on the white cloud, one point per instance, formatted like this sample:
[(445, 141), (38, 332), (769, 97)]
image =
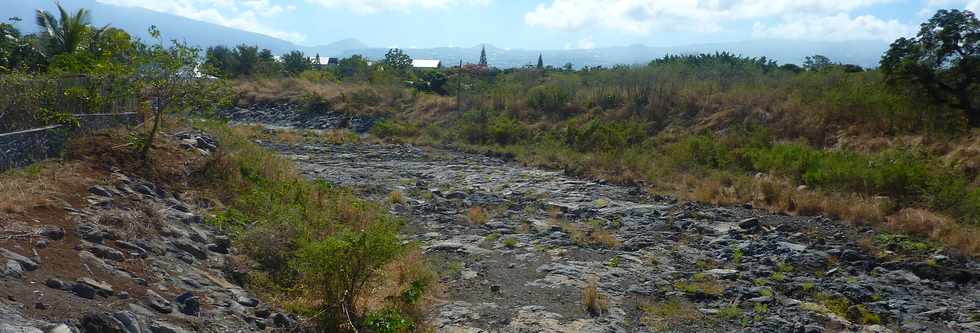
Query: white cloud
[(586, 43), (645, 16), (834, 28), (933, 5), (372, 6), (240, 14)]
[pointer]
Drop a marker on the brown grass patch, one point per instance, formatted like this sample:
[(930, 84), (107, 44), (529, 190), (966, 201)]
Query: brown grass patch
[(594, 302), (288, 90), (42, 185), (670, 314), (395, 282), (477, 215), (937, 227), (604, 238)]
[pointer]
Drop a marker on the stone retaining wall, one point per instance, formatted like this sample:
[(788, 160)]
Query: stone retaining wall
[(21, 148)]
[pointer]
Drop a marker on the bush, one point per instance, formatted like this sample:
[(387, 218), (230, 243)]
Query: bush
[(341, 265), (484, 127), (549, 98), (390, 128), (604, 136), (306, 234)]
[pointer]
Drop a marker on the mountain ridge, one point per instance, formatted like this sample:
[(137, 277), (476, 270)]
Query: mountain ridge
[(199, 33)]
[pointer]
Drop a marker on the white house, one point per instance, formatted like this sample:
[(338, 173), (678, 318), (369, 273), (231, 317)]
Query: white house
[(426, 63)]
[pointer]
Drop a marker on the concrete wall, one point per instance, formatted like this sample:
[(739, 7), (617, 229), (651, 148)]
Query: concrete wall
[(22, 148)]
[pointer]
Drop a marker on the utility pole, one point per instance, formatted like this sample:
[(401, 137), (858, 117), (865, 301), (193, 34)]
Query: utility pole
[(459, 88)]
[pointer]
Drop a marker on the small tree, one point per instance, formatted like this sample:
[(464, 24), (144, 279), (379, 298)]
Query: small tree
[(942, 62), (295, 62), (540, 62), (396, 60), (170, 79), (816, 63)]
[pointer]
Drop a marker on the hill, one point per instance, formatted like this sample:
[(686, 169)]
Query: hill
[(199, 33)]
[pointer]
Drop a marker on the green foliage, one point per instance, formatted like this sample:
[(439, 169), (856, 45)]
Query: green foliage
[(605, 136), (390, 128), (483, 127), (353, 68), (296, 62), (942, 63), (63, 34), (414, 293), (550, 98), (388, 321), (904, 244), (396, 60), (343, 263), (432, 81)]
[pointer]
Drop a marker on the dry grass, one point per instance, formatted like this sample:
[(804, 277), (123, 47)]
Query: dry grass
[(399, 276), (396, 197), (604, 238), (145, 218), (962, 238), (594, 302), (477, 215), (338, 136), (779, 195), (40, 185), (671, 314), (290, 137), (288, 90)]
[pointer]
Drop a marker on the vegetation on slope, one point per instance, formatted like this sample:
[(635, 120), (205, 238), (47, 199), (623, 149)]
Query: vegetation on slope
[(320, 249)]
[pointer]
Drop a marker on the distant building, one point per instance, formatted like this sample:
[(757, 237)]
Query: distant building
[(426, 64), (324, 62)]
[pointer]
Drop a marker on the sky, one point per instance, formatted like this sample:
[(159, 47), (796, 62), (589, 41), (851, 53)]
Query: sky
[(560, 24)]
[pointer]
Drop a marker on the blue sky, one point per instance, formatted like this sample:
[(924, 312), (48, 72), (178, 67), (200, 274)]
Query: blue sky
[(559, 24)]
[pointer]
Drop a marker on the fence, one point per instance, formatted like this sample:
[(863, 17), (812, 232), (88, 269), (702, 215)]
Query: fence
[(30, 101), (21, 148)]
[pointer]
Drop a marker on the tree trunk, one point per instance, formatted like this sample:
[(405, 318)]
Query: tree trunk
[(157, 115)]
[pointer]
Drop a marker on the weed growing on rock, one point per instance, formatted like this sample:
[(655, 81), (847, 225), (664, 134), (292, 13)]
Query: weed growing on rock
[(396, 197), (670, 314), (595, 303), (477, 215)]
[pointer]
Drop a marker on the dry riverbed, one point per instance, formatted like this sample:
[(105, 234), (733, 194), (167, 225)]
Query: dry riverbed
[(527, 250)]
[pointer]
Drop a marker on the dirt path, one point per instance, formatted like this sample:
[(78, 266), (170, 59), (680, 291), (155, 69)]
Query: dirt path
[(517, 247)]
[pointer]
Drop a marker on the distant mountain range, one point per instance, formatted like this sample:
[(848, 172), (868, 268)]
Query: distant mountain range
[(137, 20)]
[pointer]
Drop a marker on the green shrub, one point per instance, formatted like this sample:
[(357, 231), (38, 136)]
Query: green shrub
[(604, 136), (390, 128), (388, 321), (341, 265), (548, 98)]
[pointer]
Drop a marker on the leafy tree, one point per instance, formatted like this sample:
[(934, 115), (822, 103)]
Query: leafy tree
[(355, 67), (942, 62), (248, 60), (396, 60), (296, 62), (791, 68), (169, 78), (65, 33), (221, 61), (483, 56), (433, 81), (816, 63), (540, 62)]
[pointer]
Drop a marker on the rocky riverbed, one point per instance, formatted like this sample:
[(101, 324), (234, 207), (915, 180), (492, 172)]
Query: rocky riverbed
[(519, 248)]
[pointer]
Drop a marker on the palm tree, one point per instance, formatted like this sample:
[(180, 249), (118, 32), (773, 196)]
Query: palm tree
[(64, 34)]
